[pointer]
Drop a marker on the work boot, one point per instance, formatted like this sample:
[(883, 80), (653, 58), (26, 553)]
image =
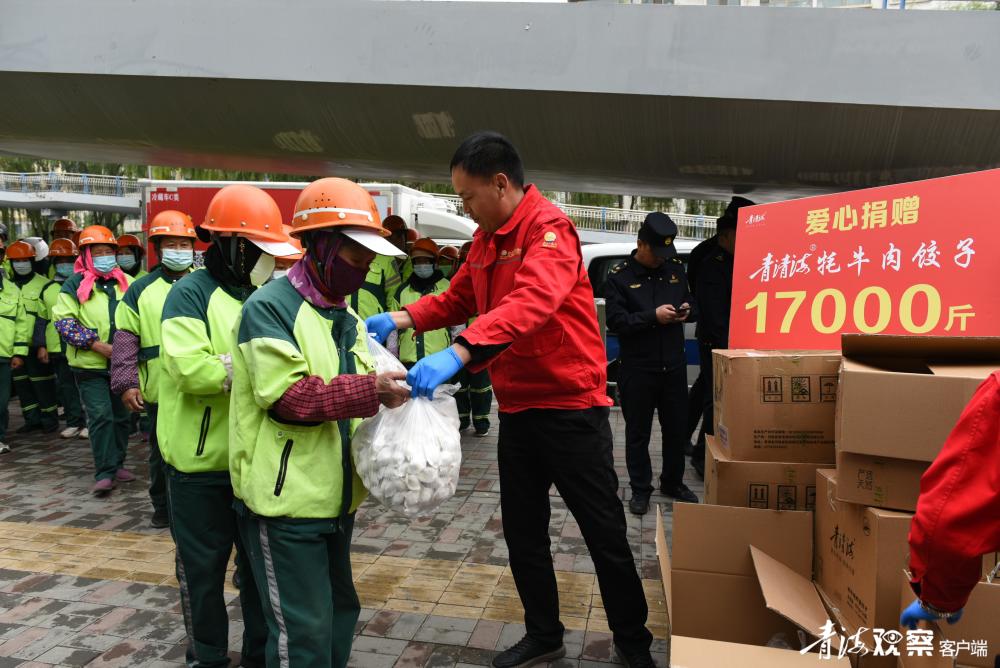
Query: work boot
[(103, 487), (482, 431), (464, 424), (70, 432), (527, 652), (642, 659), (161, 520), (680, 492), (28, 428), (124, 475), (638, 504)]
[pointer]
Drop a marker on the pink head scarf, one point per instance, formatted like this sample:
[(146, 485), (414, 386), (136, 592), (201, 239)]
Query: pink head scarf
[(85, 265), (306, 279)]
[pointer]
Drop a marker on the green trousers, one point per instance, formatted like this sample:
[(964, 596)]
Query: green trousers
[(475, 398), (203, 524), (107, 421), (303, 570), (36, 389), (157, 467), (5, 380), (69, 395)]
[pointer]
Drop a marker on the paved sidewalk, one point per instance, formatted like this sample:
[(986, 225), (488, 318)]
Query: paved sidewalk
[(85, 581)]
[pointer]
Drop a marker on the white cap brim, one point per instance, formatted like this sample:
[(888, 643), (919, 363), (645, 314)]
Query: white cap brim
[(276, 248), (373, 241)]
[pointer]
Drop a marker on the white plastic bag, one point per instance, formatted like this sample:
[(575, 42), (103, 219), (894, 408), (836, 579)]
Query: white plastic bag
[(409, 457)]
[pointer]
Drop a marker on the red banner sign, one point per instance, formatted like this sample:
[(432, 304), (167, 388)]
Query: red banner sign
[(917, 258)]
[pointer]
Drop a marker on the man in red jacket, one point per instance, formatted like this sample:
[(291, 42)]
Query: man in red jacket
[(537, 333), (958, 513)]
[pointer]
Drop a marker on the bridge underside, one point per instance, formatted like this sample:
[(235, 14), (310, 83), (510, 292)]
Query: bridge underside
[(649, 99), (585, 142)]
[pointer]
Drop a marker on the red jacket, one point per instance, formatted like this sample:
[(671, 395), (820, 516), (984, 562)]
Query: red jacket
[(528, 284), (958, 513)]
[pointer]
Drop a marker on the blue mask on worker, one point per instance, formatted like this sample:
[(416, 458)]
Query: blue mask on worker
[(21, 268), (105, 264), (126, 261), (423, 270), (65, 270), (177, 260)]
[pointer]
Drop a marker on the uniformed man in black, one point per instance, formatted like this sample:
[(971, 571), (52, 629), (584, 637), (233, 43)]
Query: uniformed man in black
[(701, 390), (715, 297), (648, 301)]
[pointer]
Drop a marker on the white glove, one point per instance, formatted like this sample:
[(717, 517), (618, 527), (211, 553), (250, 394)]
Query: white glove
[(227, 362)]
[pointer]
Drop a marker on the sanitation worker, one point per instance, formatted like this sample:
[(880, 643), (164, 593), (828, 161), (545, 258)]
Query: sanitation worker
[(193, 418), (13, 344), (135, 358), (85, 318), (130, 254), (425, 280), (302, 379), (537, 333)]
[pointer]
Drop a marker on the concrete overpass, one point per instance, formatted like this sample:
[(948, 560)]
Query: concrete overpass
[(653, 99)]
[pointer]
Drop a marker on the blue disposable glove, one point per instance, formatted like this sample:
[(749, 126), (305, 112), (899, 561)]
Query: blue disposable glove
[(381, 325), (915, 613), (431, 371)]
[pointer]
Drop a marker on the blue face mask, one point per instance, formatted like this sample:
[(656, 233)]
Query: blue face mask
[(105, 264), (177, 260), (65, 269), (126, 261)]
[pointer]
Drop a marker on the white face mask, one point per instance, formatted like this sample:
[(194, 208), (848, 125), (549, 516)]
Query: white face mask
[(22, 268), (278, 273), (423, 270), (262, 270)]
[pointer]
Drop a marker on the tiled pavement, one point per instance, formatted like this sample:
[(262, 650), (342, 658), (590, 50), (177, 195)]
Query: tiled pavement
[(85, 581)]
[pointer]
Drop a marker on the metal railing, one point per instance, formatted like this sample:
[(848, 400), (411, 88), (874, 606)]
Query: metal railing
[(623, 221), (79, 184)]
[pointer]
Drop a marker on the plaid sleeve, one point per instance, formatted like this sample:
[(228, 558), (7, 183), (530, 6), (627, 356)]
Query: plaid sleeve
[(76, 334), (312, 400)]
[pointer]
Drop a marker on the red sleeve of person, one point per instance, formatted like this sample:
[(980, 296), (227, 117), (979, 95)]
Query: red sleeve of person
[(958, 514)]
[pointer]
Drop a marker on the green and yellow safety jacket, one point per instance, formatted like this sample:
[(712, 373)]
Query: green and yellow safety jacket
[(193, 415), (50, 295), (140, 313), (13, 337), (31, 299), (414, 346), (380, 285), (97, 313), (292, 470)]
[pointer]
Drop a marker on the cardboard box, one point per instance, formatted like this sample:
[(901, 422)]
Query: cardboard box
[(777, 581), (774, 485), (774, 406), (899, 398), (859, 553)]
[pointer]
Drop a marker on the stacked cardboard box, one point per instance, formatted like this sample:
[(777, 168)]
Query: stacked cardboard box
[(848, 439), (774, 426)]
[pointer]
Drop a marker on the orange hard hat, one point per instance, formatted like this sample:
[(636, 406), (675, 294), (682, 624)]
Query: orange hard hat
[(172, 223), (64, 225), (394, 223), (20, 250), (247, 211), (411, 236), (62, 248), (295, 242), (96, 234), (129, 240), (450, 253), (426, 245), (334, 202)]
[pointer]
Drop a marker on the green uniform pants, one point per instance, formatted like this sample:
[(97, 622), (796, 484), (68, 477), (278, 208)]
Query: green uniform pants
[(303, 570), (5, 380), (475, 398), (107, 421), (69, 395), (36, 390), (157, 467), (203, 524)]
